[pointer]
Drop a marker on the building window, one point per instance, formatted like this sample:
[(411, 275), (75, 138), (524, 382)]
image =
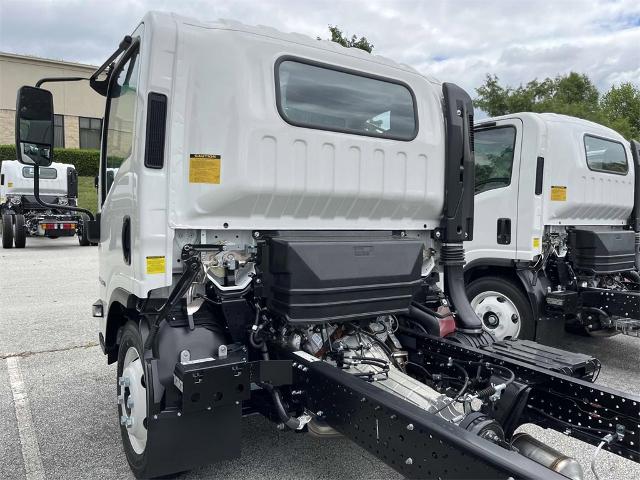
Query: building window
[(328, 98), (58, 131), (494, 149), (605, 155), (90, 129)]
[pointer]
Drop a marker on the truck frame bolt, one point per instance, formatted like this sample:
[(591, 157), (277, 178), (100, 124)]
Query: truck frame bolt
[(410, 427), (409, 461), (185, 356)]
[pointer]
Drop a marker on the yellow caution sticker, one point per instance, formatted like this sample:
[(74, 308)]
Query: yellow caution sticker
[(558, 193), (536, 242), (204, 168), (155, 265), (10, 184)]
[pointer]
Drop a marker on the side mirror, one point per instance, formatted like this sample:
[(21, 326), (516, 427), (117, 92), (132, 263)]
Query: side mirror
[(34, 126)]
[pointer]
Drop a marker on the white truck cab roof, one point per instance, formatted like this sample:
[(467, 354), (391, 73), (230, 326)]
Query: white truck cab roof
[(17, 179)]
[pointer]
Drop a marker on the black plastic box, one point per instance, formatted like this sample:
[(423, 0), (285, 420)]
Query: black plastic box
[(319, 277), (603, 251)]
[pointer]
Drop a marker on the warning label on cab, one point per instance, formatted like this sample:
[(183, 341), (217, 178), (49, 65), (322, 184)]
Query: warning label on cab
[(155, 265), (204, 168), (558, 193)]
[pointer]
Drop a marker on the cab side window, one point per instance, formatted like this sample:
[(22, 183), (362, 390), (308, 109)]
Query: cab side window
[(121, 117), (605, 155), (494, 149)]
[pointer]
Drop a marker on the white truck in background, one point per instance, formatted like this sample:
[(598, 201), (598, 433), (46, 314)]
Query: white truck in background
[(556, 241), (23, 216)]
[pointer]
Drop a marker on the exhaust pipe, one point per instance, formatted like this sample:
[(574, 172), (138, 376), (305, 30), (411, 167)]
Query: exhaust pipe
[(537, 451), (635, 215)]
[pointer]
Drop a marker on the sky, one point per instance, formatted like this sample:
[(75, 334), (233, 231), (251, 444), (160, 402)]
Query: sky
[(458, 41)]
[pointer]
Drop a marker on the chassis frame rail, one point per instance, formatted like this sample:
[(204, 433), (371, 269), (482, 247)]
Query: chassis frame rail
[(575, 407), (405, 437)]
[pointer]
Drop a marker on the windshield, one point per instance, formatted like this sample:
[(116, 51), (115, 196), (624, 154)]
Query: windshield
[(45, 173)]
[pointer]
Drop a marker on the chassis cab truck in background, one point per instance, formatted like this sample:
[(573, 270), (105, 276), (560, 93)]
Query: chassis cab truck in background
[(23, 216), (557, 240), (273, 242)]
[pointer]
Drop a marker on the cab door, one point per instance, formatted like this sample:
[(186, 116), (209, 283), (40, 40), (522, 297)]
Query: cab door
[(117, 177), (498, 148)]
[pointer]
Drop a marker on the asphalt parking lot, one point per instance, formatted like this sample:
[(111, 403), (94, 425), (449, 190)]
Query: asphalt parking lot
[(58, 404)]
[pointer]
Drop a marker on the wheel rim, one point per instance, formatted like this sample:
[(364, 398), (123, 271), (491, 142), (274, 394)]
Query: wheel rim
[(498, 313), (133, 400)]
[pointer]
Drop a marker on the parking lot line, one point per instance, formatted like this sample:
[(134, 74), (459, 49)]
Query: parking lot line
[(28, 440)]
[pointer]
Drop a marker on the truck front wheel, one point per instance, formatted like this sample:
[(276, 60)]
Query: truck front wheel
[(19, 232), (502, 307), (7, 230), (132, 399)]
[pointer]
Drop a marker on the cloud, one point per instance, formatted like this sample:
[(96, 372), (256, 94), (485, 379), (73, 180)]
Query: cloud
[(458, 41)]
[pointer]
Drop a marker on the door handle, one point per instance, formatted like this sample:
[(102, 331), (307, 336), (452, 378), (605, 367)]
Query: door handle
[(126, 240), (504, 231)]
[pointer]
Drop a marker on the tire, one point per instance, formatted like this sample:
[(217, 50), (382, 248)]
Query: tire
[(134, 448), (19, 232), (504, 309), (83, 236), (7, 230)]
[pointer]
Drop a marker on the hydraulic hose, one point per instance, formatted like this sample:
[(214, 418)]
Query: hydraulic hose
[(291, 422), (452, 258), (633, 276), (426, 320)]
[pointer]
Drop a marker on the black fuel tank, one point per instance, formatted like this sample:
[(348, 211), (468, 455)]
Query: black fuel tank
[(602, 251), (319, 277)]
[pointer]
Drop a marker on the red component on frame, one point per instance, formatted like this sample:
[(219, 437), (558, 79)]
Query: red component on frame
[(448, 323)]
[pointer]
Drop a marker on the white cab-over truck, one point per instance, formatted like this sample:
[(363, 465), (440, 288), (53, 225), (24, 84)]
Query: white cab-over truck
[(557, 238), (23, 216), (281, 216)]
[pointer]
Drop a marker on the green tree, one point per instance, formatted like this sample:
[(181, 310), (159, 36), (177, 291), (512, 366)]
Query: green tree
[(623, 103), (573, 94), (354, 42)]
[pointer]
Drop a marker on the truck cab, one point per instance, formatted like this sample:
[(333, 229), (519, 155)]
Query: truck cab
[(555, 195), (284, 235), (23, 216)]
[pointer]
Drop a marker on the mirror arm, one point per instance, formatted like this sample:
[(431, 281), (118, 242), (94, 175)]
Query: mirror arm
[(36, 194), (58, 79), (101, 86)]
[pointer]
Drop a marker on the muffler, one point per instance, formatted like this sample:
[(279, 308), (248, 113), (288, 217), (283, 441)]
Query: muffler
[(537, 451)]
